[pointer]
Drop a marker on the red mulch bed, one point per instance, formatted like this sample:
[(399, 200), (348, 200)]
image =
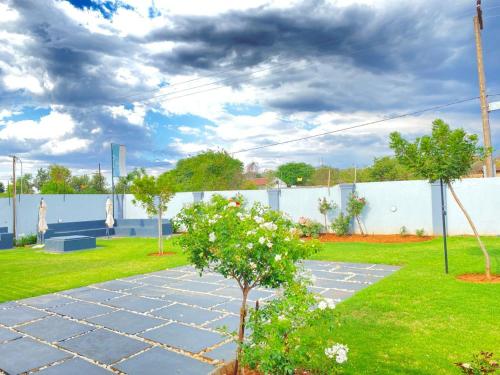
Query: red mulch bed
[(479, 278), (374, 238), (165, 253)]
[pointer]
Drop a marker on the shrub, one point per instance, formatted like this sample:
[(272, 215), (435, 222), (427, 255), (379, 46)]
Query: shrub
[(256, 246), (324, 206), (308, 227), (420, 232), (25, 240), (340, 225), (294, 334), (403, 231), (355, 206), (482, 363)]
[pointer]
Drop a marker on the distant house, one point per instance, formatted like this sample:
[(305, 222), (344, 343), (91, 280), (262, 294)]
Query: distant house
[(265, 183), (478, 170)]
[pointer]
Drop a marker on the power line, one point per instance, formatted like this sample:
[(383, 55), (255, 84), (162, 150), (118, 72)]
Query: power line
[(414, 113)]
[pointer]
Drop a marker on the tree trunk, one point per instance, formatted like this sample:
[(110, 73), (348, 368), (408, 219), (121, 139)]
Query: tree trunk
[(326, 226), (359, 225), (160, 231), (481, 245), (241, 332)]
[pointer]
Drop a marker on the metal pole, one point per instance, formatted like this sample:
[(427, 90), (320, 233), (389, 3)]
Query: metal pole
[(478, 25), (443, 215), (112, 181), (14, 214)]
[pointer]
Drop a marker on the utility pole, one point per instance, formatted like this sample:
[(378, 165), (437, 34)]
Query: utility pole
[(478, 26), (14, 215)]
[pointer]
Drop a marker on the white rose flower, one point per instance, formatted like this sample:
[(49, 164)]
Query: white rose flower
[(330, 303), (212, 237), (277, 258), (269, 245), (232, 204), (322, 305), (262, 240), (250, 246), (258, 219), (269, 226), (281, 317)]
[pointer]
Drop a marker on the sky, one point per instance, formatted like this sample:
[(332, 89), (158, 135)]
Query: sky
[(169, 79)]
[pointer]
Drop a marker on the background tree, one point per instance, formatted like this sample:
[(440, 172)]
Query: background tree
[(295, 173), (80, 184), (124, 183), (24, 184), (59, 181), (210, 170), (42, 176), (447, 155), (153, 194), (98, 184), (2, 188), (324, 206), (389, 168)]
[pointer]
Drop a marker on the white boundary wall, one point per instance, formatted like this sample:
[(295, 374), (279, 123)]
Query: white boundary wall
[(391, 205)]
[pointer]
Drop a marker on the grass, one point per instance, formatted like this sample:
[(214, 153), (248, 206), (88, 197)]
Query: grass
[(419, 320), (416, 321), (26, 272)]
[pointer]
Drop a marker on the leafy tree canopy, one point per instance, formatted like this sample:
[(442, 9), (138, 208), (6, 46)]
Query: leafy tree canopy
[(389, 169), (295, 173), (445, 154), (210, 170)]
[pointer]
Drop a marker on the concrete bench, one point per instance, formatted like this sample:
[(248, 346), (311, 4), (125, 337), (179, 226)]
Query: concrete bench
[(70, 243)]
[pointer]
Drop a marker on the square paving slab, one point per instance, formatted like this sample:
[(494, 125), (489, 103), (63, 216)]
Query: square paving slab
[(104, 346), (25, 354), (151, 361), (55, 328), (144, 316)]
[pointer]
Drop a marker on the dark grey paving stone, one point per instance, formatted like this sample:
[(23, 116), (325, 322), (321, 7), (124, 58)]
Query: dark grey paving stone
[(184, 337), (92, 294), (136, 303), (385, 267), (380, 273), (116, 285), (82, 310), (8, 305), (233, 306), (356, 266), (150, 291), (224, 353), (158, 281), (104, 346), (338, 295), (8, 335), (343, 285), (230, 322), (127, 322), (133, 279), (186, 269), (236, 293), (151, 361), (19, 314), (55, 328), (186, 314), (368, 279), (213, 278), (195, 286), (333, 275), (25, 354), (75, 366), (46, 301), (318, 265), (171, 273), (196, 299)]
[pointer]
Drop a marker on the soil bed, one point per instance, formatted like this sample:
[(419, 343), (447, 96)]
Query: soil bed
[(479, 278), (164, 254), (375, 238)]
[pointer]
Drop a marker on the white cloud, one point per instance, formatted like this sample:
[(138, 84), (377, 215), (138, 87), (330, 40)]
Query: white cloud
[(61, 147), (188, 130), (135, 116), (55, 125)]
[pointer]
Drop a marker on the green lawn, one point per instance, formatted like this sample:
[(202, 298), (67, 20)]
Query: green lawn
[(417, 321), (27, 272)]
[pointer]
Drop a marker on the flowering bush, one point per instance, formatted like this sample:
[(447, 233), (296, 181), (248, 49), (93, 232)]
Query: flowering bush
[(482, 363), (355, 206), (308, 227), (294, 334), (256, 246), (324, 207)]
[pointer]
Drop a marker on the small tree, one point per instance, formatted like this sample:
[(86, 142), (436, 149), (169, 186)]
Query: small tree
[(445, 155), (355, 206), (324, 206), (153, 194), (254, 246)]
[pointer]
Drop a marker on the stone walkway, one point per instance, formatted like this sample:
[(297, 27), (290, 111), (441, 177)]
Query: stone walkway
[(141, 324)]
